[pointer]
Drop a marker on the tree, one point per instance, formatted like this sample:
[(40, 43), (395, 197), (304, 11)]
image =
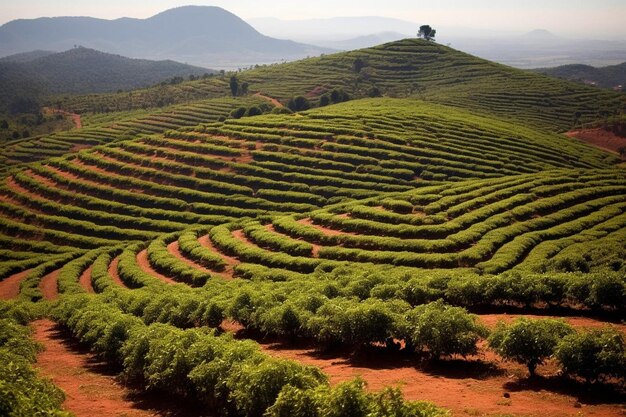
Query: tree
[(244, 88), (234, 85), (4, 124), (358, 65), (529, 342), (299, 103), (426, 32)]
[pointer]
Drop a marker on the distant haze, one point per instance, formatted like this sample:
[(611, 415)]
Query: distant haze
[(573, 18)]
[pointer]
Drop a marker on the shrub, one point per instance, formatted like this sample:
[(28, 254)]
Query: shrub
[(593, 355), (443, 330), (529, 342)]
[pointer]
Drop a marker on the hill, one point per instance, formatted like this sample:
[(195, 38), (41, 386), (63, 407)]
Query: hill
[(613, 76), (83, 71), (407, 68), (205, 36)]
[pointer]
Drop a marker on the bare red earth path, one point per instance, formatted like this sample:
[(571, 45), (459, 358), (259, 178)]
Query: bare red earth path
[(144, 264), (10, 287), (49, 286), (114, 273), (174, 249), (75, 117), (85, 280), (90, 386), (327, 231), (270, 99), (230, 261)]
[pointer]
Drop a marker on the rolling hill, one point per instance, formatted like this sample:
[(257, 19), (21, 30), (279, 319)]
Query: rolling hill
[(407, 68), (38, 75), (161, 234), (611, 76), (205, 36)]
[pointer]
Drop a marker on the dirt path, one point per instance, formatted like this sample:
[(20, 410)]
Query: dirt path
[(75, 117), (10, 286), (473, 387), (85, 280), (230, 261), (49, 286), (114, 273), (270, 99), (600, 138), (90, 386), (174, 249), (144, 264)]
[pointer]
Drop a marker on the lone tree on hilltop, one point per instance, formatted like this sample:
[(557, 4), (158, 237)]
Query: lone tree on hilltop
[(234, 85), (427, 32)]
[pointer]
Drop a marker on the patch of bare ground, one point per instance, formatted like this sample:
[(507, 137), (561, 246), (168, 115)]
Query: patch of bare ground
[(144, 264), (91, 386), (85, 280), (230, 261), (49, 286), (10, 286), (75, 117), (475, 386), (600, 138)]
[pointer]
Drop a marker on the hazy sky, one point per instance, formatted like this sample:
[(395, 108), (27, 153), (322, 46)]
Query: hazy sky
[(581, 18)]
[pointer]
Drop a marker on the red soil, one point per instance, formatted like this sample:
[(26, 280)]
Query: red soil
[(90, 386), (48, 286), (144, 264), (600, 138), (40, 178), (75, 117), (327, 231), (85, 280), (10, 287), (270, 99), (174, 249), (473, 387), (230, 261), (114, 273), (490, 320)]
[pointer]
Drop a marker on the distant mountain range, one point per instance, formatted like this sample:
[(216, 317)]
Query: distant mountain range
[(613, 76), (81, 70), (200, 35)]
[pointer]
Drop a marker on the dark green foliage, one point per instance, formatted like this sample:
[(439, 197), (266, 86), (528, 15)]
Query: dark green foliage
[(426, 32), (529, 342), (234, 85), (299, 103), (593, 355), (442, 330)]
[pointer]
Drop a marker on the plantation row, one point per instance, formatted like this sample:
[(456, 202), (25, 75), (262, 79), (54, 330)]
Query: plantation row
[(490, 226), (104, 130), (337, 309), (217, 173)]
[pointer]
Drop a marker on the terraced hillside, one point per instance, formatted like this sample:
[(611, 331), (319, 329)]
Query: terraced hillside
[(261, 166), (408, 68), (368, 229), (106, 129)]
